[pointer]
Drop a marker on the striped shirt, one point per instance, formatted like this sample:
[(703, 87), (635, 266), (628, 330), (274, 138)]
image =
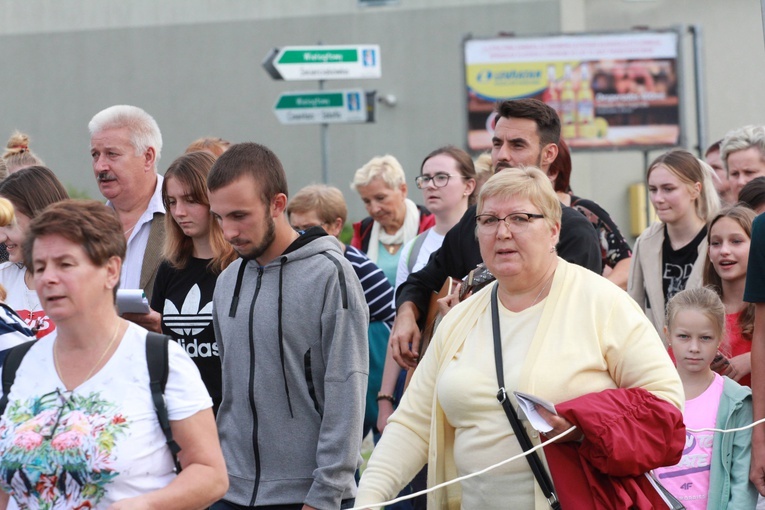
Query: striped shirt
[(378, 292)]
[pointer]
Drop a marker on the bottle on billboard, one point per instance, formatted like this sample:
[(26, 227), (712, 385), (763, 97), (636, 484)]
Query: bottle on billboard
[(585, 104), (551, 95), (568, 105)]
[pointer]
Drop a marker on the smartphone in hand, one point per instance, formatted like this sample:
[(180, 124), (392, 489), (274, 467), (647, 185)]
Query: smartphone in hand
[(720, 364)]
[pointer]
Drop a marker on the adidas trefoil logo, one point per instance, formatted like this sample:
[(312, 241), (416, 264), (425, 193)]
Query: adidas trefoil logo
[(192, 319)]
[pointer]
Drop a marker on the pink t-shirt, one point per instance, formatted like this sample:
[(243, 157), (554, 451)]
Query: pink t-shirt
[(689, 479)]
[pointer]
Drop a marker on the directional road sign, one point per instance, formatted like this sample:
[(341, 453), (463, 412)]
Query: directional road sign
[(321, 107), (324, 62)]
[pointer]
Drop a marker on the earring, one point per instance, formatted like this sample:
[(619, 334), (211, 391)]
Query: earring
[(552, 249)]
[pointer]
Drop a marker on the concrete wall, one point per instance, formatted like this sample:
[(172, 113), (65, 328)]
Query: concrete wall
[(195, 65), (198, 77)]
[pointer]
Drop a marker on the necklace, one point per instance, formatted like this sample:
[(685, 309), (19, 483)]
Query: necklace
[(129, 230), (543, 289), (103, 354), (391, 248)]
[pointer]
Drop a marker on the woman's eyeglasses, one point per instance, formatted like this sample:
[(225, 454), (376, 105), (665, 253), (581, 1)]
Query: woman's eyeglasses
[(516, 223), (303, 228), (439, 180)]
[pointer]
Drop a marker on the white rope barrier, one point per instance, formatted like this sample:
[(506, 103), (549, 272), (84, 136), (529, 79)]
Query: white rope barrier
[(511, 459), (471, 475), (727, 431)]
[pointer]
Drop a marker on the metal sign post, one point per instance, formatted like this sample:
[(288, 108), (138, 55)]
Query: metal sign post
[(324, 107)]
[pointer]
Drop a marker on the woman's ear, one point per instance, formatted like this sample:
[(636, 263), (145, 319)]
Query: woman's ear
[(469, 186), (336, 227), (555, 232), (113, 269), (696, 190)]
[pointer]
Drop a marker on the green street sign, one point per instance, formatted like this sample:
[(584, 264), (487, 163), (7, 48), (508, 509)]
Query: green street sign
[(328, 56), (322, 107), (317, 100), (324, 62)]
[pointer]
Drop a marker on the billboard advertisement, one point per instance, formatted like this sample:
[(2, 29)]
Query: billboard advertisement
[(611, 91)]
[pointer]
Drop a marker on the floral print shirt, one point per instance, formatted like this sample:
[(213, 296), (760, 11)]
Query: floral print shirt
[(99, 443)]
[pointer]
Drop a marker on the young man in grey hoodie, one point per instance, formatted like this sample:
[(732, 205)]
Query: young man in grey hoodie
[(291, 324)]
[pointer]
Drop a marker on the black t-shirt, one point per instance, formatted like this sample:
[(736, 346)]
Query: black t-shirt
[(184, 298), (676, 265)]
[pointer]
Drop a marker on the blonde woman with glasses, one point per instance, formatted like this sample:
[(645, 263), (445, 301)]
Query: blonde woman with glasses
[(554, 330)]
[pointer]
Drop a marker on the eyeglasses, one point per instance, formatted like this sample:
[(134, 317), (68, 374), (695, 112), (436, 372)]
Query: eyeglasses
[(439, 180), (303, 228), (517, 223)]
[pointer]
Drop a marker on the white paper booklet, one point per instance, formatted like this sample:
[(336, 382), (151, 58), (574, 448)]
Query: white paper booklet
[(528, 404), (132, 301)]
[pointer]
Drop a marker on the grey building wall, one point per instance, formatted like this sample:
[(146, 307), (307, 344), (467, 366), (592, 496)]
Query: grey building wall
[(204, 78), (195, 65)]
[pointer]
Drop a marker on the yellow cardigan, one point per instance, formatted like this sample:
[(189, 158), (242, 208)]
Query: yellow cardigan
[(591, 336)]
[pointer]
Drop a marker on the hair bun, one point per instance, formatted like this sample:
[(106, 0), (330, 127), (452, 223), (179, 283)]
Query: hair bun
[(18, 143)]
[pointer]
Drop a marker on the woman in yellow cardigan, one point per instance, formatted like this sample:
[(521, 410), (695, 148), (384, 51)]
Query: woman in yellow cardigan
[(565, 332)]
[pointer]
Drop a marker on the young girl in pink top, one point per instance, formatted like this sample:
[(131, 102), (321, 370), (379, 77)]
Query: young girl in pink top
[(714, 470), (729, 236)]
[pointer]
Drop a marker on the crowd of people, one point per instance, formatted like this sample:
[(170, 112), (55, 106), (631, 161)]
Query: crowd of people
[(266, 348)]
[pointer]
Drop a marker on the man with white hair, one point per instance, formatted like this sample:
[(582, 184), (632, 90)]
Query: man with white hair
[(743, 153), (125, 145)]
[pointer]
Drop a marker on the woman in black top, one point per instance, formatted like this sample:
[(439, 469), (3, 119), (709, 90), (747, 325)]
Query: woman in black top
[(195, 253), (669, 255)]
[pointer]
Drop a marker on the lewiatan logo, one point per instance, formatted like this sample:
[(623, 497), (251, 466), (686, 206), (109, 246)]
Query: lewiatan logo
[(514, 76)]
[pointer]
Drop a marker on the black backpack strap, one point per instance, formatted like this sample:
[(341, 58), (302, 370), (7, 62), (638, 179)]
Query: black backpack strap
[(10, 366), (159, 367)]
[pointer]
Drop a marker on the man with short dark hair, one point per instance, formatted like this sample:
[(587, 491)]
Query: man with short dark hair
[(291, 323), (526, 133)]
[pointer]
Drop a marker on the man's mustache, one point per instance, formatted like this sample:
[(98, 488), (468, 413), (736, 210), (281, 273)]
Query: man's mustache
[(105, 176)]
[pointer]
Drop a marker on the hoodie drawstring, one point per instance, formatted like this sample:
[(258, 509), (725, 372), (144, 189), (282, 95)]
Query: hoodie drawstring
[(281, 335), (237, 289)]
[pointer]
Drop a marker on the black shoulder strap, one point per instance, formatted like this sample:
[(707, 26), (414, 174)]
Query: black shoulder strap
[(540, 473), (10, 366), (159, 367)]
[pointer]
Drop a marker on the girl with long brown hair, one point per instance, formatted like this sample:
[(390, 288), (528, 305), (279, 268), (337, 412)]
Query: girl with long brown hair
[(729, 237), (195, 253)]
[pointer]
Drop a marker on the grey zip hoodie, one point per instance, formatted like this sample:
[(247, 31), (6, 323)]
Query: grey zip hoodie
[(293, 345)]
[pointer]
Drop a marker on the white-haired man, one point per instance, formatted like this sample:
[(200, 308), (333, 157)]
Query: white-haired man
[(743, 153), (125, 145)]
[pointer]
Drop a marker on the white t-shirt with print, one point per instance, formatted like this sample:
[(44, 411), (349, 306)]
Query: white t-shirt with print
[(99, 443), (23, 299), (433, 242)]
